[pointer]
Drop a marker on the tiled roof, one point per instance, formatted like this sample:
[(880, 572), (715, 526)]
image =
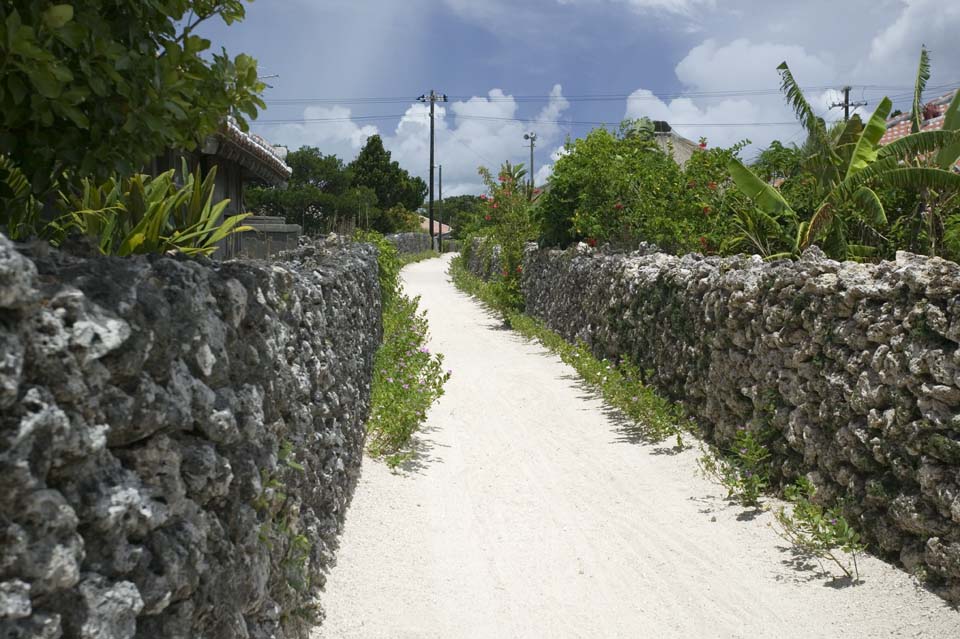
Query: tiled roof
[(437, 227), (256, 154), (900, 126)]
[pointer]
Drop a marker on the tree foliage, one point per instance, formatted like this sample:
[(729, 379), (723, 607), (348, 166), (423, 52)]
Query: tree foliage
[(393, 185), (622, 188), (96, 87), (324, 194)]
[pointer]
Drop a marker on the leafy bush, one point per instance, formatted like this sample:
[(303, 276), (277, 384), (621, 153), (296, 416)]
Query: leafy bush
[(96, 87), (143, 214), (622, 189), (848, 171)]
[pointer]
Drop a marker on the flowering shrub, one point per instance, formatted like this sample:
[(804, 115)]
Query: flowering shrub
[(407, 378), (510, 225), (623, 188)]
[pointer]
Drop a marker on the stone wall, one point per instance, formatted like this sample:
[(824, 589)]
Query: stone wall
[(179, 439), (850, 371), (482, 258), (410, 242)]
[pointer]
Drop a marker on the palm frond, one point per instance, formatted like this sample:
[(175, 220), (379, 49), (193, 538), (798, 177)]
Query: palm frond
[(814, 125), (923, 74), (818, 223)]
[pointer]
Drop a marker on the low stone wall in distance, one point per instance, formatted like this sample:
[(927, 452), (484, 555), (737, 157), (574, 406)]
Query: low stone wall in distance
[(409, 243), (852, 370), (179, 439)]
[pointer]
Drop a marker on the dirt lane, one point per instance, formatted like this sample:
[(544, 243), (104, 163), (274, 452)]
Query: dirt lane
[(531, 513)]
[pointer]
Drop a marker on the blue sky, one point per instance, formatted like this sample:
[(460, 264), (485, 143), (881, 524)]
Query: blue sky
[(548, 65)]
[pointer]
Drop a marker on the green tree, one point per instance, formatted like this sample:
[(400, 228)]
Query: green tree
[(623, 188), (463, 213), (374, 169), (326, 172), (97, 87)]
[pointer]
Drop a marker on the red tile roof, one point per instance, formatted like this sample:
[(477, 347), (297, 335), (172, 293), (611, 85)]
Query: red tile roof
[(437, 227), (900, 126)]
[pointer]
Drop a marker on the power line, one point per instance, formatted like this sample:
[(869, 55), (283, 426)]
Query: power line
[(600, 97), (490, 118)]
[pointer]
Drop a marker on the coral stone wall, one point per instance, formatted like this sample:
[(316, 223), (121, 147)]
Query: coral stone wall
[(179, 439), (410, 242), (850, 371)]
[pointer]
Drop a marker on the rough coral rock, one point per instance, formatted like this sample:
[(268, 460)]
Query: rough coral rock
[(179, 439)]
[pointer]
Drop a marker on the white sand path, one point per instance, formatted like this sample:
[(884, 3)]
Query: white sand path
[(531, 513)]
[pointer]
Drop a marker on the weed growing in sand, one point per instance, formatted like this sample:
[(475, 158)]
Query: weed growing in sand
[(822, 532), (743, 470)]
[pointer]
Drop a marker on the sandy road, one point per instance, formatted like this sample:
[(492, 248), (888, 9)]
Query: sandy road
[(531, 513)]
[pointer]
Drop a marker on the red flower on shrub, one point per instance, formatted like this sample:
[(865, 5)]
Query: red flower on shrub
[(704, 244), (505, 272), (618, 206), (712, 186), (494, 205), (703, 144), (706, 210), (484, 197), (591, 241), (486, 217), (519, 269)]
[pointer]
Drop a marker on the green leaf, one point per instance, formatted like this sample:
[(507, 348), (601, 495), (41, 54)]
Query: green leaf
[(923, 74), (767, 198), (915, 178), (951, 122), (58, 15), (18, 90), (920, 144), (46, 83), (870, 205), (866, 150)]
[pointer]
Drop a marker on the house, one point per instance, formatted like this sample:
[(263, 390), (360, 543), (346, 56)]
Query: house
[(934, 114), (670, 142), (437, 226), (241, 158)]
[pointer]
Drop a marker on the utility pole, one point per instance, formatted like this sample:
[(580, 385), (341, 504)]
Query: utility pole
[(533, 141), (433, 98), (846, 104), (440, 220)]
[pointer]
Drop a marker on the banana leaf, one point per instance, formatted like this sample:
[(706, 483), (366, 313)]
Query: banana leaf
[(866, 150), (949, 154)]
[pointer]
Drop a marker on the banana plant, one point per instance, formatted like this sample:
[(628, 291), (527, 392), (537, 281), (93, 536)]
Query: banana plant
[(848, 169)]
